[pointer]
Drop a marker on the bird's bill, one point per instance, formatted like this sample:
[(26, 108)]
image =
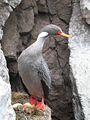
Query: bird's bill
[(64, 34)]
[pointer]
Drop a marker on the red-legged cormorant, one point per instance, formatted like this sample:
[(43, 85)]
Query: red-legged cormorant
[(33, 68)]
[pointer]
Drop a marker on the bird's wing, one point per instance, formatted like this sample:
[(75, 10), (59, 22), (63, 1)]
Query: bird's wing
[(30, 78), (44, 72)]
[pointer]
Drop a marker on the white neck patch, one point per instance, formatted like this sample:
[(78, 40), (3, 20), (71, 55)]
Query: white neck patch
[(43, 34)]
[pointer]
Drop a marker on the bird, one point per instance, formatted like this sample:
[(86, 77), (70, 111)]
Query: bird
[(33, 68)]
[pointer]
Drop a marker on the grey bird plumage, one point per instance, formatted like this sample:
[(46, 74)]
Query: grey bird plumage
[(32, 66)]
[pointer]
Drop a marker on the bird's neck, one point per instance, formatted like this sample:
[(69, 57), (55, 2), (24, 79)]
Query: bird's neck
[(40, 43), (41, 40)]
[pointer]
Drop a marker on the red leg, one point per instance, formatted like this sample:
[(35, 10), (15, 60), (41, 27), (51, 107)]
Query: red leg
[(40, 105), (33, 100)]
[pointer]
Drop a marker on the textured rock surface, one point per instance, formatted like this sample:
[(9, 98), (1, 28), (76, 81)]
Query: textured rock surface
[(6, 110), (18, 97), (13, 3), (80, 64), (20, 33), (85, 9), (45, 116), (5, 9)]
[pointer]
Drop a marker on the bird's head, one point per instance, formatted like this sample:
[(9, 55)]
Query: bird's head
[(52, 29)]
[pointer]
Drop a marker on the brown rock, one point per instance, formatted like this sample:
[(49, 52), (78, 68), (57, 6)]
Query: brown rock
[(25, 20), (52, 6), (42, 6), (29, 4), (41, 21), (61, 8), (64, 10), (11, 37)]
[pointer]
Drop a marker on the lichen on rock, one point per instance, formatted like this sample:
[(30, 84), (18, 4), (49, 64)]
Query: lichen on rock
[(23, 114)]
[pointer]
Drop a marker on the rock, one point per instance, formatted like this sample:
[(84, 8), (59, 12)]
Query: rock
[(42, 6), (19, 23), (51, 6), (10, 39), (25, 20), (41, 21), (85, 9), (64, 10), (3, 68), (25, 15), (60, 8), (1, 34), (17, 106), (42, 116), (29, 4), (6, 110), (23, 115), (5, 9), (80, 64), (13, 3), (60, 23), (4, 14)]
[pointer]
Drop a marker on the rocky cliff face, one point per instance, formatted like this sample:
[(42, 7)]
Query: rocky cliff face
[(6, 110), (21, 30), (85, 10), (80, 59)]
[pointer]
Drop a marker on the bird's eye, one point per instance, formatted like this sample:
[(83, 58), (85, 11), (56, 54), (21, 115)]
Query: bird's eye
[(58, 33)]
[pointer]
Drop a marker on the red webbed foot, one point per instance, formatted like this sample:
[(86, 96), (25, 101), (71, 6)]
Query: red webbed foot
[(40, 105), (33, 100)]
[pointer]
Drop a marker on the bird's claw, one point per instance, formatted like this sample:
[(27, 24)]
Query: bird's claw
[(40, 106)]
